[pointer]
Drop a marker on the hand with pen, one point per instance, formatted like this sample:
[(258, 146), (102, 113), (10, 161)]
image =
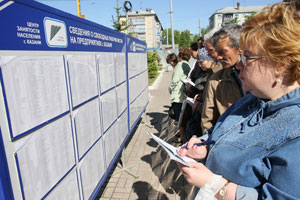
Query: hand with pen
[(197, 174), (195, 148)]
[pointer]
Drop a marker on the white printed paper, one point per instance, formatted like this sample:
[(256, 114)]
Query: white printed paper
[(106, 70), (36, 90), (190, 100), (122, 97), (188, 82), (92, 168), (88, 126), (46, 157), (67, 189), (120, 68), (172, 151), (83, 77), (109, 108)]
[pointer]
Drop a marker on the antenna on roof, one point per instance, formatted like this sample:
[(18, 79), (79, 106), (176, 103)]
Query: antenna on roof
[(141, 5)]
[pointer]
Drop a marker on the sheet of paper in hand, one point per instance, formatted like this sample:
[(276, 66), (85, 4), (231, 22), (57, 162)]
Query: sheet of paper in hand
[(188, 82), (172, 151), (190, 100)]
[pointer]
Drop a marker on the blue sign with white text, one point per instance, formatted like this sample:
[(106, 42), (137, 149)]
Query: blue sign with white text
[(135, 45), (42, 29)]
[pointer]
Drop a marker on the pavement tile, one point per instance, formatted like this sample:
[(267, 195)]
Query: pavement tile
[(129, 183), (159, 177), (108, 192), (122, 190), (121, 182), (111, 184), (120, 195), (113, 180)]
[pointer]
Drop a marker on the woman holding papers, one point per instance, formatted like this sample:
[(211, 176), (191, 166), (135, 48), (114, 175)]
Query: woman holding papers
[(180, 72), (256, 154)]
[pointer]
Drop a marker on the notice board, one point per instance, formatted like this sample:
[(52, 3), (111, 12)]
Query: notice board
[(71, 93)]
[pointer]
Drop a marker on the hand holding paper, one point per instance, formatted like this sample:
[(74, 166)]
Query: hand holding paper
[(188, 82), (172, 151)]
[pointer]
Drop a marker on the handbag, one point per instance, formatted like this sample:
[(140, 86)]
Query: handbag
[(171, 112)]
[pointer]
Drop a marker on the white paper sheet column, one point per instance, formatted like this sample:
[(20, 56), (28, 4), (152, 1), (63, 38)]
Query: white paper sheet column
[(45, 157), (83, 77), (87, 125), (106, 71), (92, 168), (35, 89), (67, 189), (120, 68)]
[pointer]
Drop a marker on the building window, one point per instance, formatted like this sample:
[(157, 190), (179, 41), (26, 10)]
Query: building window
[(220, 16)]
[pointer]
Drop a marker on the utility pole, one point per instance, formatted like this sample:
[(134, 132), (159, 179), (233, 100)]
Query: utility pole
[(200, 34), (172, 27), (167, 34), (78, 10)]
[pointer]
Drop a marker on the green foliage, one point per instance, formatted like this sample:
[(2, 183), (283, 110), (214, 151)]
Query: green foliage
[(182, 38), (234, 20), (195, 38), (249, 16), (117, 24), (152, 58), (205, 30), (185, 39)]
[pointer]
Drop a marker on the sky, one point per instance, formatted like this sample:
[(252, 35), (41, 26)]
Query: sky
[(186, 13)]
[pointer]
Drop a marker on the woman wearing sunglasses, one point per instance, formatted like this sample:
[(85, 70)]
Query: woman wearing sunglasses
[(256, 149)]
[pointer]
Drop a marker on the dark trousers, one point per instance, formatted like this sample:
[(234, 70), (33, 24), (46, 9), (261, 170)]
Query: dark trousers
[(177, 110)]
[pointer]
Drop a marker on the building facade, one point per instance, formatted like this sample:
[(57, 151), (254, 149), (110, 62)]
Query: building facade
[(238, 14), (146, 26)]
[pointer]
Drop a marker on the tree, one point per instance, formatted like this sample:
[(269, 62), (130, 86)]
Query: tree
[(185, 39), (182, 38), (234, 20), (195, 38), (205, 30), (249, 16), (152, 64), (117, 24), (179, 37)]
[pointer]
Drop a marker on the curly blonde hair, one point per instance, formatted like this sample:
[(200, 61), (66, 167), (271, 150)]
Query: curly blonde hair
[(276, 31)]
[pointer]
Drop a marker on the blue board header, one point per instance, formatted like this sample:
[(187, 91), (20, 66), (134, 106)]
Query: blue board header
[(135, 45), (34, 26)]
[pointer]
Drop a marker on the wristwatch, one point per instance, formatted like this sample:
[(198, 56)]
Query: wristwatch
[(222, 191)]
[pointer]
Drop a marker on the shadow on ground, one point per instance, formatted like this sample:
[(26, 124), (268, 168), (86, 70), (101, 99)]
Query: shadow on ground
[(156, 119), (170, 177), (145, 191)]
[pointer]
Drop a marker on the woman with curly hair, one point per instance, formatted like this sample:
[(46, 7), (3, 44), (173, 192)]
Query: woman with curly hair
[(254, 149)]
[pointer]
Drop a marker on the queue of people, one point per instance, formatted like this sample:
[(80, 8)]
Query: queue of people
[(248, 109)]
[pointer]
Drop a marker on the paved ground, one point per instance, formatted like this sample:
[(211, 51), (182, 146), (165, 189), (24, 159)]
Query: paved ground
[(158, 176)]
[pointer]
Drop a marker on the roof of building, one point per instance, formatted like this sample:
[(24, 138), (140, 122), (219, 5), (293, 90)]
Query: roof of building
[(146, 12), (141, 12), (243, 9)]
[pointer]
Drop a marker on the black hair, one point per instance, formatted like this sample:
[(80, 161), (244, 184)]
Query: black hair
[(195, 46)]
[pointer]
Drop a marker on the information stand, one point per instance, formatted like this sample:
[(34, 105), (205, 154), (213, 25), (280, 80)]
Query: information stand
[(71, 93)]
